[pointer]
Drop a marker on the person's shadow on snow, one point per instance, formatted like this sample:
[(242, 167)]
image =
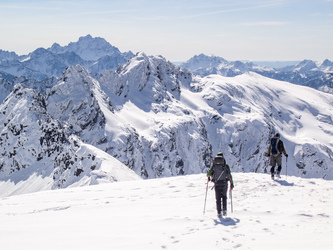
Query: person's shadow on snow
[(226, 221), (284, 183)]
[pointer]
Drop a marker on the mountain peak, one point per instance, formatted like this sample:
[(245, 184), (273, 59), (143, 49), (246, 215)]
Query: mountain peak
[(204, 62), (8, 55), (87, 37), (87, 47), (305, 65), (327, 63)]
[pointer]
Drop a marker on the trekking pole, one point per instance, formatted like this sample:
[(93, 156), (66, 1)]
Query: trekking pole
[(205, 198), (265, 171), (286, 167), (230, 194)]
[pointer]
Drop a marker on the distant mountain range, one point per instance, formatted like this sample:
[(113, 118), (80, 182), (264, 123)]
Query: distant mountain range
[(96, 54), (274, 64), (318, 75), (150, 118)]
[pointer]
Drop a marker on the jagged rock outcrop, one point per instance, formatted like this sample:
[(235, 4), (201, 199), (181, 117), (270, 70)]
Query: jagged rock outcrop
[(33, 143), (150, 85), (159, 120)]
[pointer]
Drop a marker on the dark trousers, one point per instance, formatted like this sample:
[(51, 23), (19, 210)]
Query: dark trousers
[(276, 160), (278, 169), (221, 189)]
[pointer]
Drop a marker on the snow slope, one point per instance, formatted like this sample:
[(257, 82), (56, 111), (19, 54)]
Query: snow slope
[(235, 115), (250, 106), (160, 120), (167, 213), (307, 72), (38, 153)]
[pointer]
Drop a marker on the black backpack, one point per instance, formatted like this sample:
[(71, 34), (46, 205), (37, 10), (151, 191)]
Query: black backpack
[(275, 146), (220, 169)]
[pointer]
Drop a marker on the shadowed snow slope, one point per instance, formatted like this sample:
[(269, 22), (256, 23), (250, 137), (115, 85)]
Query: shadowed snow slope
[(167, 213)]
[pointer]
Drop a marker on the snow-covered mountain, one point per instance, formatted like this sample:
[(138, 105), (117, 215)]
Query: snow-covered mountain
[(5, 88), (124, 114), (96, 54), (167, 213), (306, 72), (153, 118), (87, 47), (8, 55), (36, 146), (323, 83), (160, 120), (205, 65)]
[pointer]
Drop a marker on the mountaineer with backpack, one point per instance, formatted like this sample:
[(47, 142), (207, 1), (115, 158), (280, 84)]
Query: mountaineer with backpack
[(220, 173), (275, 150)]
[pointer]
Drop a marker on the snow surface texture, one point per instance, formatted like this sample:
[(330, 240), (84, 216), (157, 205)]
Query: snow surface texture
[(159, 120), (167, 213)]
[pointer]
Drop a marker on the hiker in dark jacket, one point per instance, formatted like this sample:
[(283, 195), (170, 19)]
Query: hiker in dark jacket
[(275, 150), (220, 174)]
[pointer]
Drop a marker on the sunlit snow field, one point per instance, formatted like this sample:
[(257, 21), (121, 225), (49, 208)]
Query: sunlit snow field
[(167, 213)]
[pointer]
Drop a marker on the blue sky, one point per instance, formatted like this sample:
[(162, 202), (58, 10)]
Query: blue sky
[(176, 29)]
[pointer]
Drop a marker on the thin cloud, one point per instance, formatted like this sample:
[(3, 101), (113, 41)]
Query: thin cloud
[(107, 12), (259, 6), (26, 7), (265, 23)]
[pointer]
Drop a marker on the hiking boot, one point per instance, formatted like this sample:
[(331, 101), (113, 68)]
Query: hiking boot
[(219, 214), (278, 174), (224, 212), (272, 175)]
